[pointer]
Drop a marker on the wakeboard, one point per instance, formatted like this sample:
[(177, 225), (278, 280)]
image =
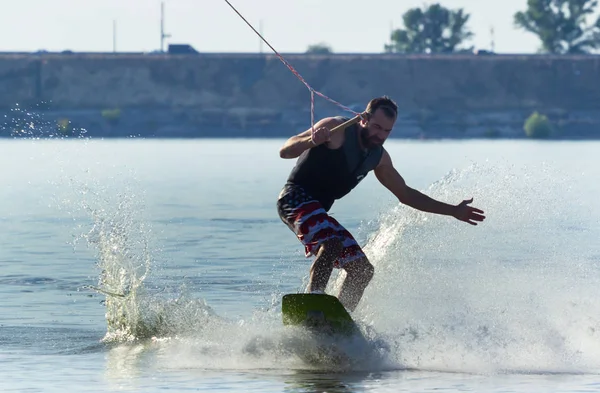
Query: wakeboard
[(333, 336), (318, 312)]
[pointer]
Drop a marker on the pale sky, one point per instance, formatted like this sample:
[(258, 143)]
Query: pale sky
[(212, 26)]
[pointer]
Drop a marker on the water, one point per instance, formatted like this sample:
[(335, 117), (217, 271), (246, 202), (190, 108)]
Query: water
[(160, 265)]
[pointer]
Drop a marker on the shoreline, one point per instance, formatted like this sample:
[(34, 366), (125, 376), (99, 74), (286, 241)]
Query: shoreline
[(162, 95)]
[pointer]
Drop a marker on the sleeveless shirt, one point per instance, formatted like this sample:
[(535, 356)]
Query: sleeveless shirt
[(329, 174)]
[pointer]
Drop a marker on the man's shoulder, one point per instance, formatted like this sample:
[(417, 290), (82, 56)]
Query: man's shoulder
[(334, 121), (341, 119)]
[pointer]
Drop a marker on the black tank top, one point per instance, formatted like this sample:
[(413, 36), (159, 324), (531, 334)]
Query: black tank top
[(329, 174)]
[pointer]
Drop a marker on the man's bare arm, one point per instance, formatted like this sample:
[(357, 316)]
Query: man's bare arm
[(391, 179), (297, 144)]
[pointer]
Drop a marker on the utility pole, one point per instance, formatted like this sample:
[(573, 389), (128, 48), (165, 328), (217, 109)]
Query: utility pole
[(163, 35), (114, 36), (493, 40), (391, 34), (260, 41)]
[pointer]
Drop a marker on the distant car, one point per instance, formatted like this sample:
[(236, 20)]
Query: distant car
[(181, 49)]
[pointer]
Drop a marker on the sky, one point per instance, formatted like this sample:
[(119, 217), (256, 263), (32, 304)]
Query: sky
[(347, 26)]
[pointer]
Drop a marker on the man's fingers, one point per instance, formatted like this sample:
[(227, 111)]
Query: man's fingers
[(478, 217), (471, 217)]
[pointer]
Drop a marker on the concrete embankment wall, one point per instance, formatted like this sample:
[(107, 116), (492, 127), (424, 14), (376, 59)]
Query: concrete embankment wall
[(256, 94)]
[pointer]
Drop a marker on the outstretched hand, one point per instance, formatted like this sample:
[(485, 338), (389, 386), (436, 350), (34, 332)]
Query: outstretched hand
[(468, 214)]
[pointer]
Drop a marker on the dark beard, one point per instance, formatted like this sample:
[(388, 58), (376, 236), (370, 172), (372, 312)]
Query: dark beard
[(367, 142)]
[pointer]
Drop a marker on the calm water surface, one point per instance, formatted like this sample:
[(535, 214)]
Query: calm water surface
[(160, 265)]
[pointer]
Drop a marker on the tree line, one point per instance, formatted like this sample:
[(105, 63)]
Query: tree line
[(562, 27)]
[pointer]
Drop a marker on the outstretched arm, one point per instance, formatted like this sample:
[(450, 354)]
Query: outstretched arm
[(391, 179), (297, 144)]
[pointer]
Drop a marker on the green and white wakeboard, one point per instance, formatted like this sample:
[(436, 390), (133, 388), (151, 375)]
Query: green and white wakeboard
[(320, 312), (333, 332)]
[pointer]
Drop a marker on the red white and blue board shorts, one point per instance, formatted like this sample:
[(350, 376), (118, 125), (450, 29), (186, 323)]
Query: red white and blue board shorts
[(311, 223)]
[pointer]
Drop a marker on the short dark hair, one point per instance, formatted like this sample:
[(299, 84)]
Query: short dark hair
[(385, 103)]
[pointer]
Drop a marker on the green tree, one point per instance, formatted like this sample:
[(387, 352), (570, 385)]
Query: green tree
[(561, 25), (320, 48), (537, 126), (431, 29)]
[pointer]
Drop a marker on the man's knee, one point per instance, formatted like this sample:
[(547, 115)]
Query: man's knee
[(368, 271), (361, 269)]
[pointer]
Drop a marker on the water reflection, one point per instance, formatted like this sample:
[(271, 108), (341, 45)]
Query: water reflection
[(310, 381)]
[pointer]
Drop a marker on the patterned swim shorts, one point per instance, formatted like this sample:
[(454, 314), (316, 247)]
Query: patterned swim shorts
[(307, 218)]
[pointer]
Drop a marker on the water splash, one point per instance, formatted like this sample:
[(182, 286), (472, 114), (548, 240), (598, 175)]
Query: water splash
[(183, 330), (32, 123), (514, 293), (125, 262)]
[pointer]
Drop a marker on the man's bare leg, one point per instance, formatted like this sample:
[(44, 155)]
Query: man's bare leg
[(321, 269), (358, 275)]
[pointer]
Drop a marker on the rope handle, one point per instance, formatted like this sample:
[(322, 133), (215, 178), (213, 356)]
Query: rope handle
[(347, 123)]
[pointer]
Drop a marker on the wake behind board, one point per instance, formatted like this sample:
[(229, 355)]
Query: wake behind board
[(319, 312)]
